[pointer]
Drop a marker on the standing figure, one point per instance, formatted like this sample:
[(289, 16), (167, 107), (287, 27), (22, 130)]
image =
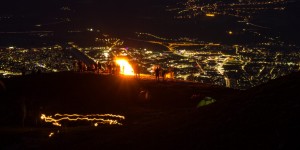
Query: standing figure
[(95, 68), (138, 70), (109, 68), (117, 69), (163, 73), (79, 66), (23, 71), (99, 67), (75, 66), (157, 74)]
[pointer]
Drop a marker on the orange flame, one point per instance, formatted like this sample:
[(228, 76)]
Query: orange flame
[(125, 67)]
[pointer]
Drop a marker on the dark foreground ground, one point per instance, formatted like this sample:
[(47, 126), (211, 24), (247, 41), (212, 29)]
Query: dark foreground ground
[(264, 117)]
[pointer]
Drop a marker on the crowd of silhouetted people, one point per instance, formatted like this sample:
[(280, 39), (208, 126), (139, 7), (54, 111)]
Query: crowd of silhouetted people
[(137, 70), (111, 68), (80, 66), (161, 73), (33, 71)]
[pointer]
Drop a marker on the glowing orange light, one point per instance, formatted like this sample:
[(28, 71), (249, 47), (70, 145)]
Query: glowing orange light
[(125, 67), (210, 15), (97, 119), (51, 134)]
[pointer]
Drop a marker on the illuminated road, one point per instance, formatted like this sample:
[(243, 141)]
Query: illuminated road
[(113, 45), (172, 46), (8, 73)]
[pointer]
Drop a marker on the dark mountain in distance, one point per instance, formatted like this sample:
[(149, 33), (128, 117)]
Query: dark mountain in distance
[(286, 22), (123, 18)]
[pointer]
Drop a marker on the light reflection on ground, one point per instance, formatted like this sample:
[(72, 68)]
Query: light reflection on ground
[(94, 119)]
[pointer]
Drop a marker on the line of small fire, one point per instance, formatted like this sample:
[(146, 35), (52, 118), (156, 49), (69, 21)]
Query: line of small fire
[(95, 119)]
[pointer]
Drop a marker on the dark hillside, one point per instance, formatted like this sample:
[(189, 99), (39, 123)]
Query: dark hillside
[(264, 117), (69, 92)]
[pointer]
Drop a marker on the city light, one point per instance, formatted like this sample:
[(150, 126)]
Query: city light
[(241, 9)]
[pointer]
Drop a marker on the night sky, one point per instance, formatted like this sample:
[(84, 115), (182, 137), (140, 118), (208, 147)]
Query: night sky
[(126, 17)]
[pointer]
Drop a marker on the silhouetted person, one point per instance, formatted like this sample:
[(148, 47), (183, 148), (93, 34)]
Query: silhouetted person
[(23, 71), (117, 69), (171, 72), (39, 71), (2, 87), (33, 72), (163, 73), (84, 67), (80, 67), (123, 69), (113, 68), (99, 67), (157, 74), (75, 66), (138, 70), (95, 68), (109, 68)]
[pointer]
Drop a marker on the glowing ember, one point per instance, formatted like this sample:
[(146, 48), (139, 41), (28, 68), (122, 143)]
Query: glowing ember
[(96, 119), (51, 134), (125, 67)]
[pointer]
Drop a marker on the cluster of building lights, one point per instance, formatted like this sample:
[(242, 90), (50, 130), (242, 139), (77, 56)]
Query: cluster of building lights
[(241, 9)]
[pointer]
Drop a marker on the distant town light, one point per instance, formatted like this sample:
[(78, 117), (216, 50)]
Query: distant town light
[(106, 55)]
